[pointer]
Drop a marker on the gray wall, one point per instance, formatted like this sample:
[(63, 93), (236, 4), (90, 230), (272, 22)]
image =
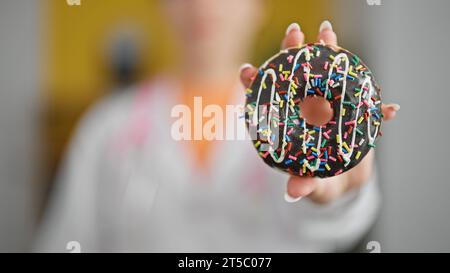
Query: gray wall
[(19, 120), (416, 215), (405, 42)]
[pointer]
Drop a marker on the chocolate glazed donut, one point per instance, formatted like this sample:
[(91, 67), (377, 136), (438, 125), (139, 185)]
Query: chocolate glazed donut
[(281, 134)]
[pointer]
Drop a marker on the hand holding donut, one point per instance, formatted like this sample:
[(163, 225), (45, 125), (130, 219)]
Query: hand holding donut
[(325, 189)]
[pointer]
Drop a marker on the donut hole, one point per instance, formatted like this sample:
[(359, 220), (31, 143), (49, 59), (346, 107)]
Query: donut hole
[(316, 110)]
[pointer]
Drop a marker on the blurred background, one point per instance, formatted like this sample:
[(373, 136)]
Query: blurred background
[(58, 59)]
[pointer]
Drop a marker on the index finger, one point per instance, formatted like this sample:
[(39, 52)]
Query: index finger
[(246, 74), (297, 187), (326, 34), (293, 37)]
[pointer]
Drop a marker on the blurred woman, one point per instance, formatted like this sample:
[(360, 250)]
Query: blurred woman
[(128, 185)]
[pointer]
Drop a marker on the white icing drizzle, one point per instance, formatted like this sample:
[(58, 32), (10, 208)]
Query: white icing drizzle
[(366, 82), (269, 119), (337, 59), (306, 161), (352, 146), (255, 114), (263, 79), (371, 138)]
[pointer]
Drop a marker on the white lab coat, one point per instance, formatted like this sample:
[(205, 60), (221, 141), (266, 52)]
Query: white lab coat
[(126, 185)]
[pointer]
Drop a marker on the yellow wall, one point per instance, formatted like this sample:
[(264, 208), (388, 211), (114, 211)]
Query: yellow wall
[(75, 73)]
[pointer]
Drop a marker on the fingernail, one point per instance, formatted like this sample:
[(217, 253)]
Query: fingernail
[(395, 106), (291, 199), (292, 27), (325, 25), (245, 66)]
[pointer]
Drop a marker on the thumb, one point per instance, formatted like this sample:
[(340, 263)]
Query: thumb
[(297, 187)]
